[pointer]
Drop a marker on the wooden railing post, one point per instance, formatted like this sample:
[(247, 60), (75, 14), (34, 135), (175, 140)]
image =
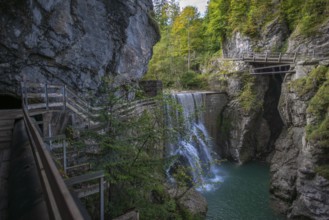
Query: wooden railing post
[(88, 114), (280, 55), (64, 97), (24, 94), (64, 157), (101, 198), (295, 56), (46, 96), (266, 56)]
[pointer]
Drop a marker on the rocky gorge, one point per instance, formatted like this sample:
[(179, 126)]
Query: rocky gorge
[(270, 118), (278, 121)]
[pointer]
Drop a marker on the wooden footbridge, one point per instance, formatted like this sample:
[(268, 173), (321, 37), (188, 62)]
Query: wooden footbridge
[(59, 165), (274, 63)]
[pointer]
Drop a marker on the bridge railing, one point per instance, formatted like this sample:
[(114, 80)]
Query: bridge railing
[(269, 57), (277, 56), (60, 203)]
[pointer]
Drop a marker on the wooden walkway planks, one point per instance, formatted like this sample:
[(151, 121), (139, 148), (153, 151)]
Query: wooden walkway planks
[(7, 119)]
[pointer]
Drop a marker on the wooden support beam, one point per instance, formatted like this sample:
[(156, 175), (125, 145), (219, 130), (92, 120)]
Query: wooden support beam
[(267, 73), (84, 178)]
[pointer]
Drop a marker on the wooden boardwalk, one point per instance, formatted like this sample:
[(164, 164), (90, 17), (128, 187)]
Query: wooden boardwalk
[(274, 63), (275, 57), (272, 69), (268, 58), (7, 119)]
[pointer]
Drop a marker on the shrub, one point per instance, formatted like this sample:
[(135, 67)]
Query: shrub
[(323, 171), (192, 80), (248, 98), (311, 82)]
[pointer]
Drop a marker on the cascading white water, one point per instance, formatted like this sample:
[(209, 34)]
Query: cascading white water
[(193, 147)]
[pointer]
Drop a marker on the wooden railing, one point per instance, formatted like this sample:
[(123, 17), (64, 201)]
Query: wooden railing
[(45, 96), (276, 57), (273, 69), (60, 203)]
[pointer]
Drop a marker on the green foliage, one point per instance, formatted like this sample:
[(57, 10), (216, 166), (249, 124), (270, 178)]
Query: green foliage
[(314, 12), (131, 154), (317, 131), (305, 14), (291, 12), (311, 82), (192, 80), (180, 49), (187, 39), (323, 171), (217, 22), (316, 84), (238, 14), (248, 98), (250, 17), (258, 15), (318, 107)]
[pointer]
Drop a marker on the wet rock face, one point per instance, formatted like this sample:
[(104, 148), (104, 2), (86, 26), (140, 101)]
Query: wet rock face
[(297, 190), (75, 42)]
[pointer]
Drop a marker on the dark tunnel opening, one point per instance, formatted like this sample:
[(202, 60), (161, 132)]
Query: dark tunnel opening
[(8, 101)]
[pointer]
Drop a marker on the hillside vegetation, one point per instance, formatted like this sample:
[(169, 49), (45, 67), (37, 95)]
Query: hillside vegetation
[(189, 41)]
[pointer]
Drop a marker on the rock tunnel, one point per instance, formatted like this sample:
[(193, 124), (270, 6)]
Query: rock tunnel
[(10, 101)]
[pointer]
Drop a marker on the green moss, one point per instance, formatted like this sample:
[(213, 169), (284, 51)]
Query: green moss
[(319, 133), (313, 14), (318, 130), (225, 125), (192, 80), (323, 171), (311, 82), (248, 98)]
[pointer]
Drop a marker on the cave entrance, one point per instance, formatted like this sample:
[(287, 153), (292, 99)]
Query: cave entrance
[(9, 101), (271, 112)]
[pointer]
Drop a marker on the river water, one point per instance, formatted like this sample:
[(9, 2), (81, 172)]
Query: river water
[(242, 195), (233, 192)]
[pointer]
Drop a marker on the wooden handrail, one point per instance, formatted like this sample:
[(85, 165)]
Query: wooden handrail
[(60, 203), (278, 55), (64, 98)]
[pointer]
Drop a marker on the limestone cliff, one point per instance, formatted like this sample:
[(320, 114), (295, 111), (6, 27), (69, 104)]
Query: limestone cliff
[(75, 42), (250, 122), (297, 186), (285, 120)]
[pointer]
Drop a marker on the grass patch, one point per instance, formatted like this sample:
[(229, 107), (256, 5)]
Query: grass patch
[(318, 131), (323, 171), (248, 98), (311, 82)]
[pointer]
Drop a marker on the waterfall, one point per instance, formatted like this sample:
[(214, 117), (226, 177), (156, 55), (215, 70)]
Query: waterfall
[(192, 148)]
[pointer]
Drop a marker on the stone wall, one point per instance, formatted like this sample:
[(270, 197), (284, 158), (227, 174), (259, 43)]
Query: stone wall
[(214, 106)]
